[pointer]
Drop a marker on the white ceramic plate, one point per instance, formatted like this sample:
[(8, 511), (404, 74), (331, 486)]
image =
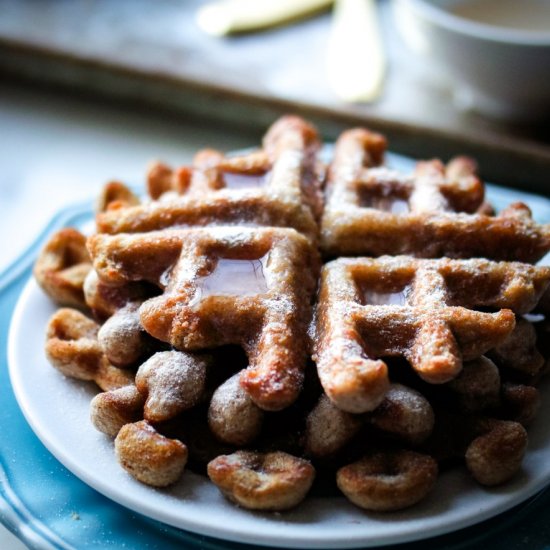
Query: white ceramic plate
[(57, 409)]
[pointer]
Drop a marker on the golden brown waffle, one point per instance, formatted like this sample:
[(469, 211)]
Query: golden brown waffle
[(62, 266), (423, 310), (73, 348), (492, 449), (148, 455), (404, 415), (438, 211), (226, 253), (224, 285), (115, 195), (384, 481), (519, 356), (271, 481), (278, 185)]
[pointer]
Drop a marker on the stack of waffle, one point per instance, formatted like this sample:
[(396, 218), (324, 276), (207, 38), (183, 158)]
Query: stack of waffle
[(264, 317)]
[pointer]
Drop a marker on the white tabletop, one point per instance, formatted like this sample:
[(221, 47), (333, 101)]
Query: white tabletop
[(55, 151)]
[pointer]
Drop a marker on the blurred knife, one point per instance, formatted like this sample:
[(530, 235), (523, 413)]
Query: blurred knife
[(356, 63), (233, 16)]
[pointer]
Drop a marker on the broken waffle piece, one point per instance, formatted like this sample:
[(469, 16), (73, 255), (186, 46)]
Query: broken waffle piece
[(111, 410), (105, 300), (109, 377), (62, 267), (171, 382), (272, 481), (519, 355), (72, 347), (224, 285), (122, 338), (71, 344), (328, 428), (520, 403), (278, 185), (426, 311), (405, 414), (148, 456), (492, 448), (477, 387), (232, 415), (437, 211), (496, 455), (387, 481), (115, 195)]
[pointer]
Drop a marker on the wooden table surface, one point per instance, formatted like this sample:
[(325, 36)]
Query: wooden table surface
[(152, 52)]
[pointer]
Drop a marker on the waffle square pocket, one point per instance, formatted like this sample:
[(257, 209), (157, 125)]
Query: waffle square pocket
[(437, 211), (277, 185), (224, 285), (434, 313)]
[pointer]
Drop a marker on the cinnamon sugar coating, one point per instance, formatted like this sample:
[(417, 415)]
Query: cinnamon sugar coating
[(217, 274), (171, 382), (437, 211), (148, 456), (110, 410), (115, 195), (62, 267), (405, 414), (122, 338), (272, 481), (233, 417), (328, 428), (492, 448), (73, 348), (477, 387), (496, 455), (387, 481), (423, 310), (278, 185), (105, 300), (268, 317), (518, 354), (520, 403)]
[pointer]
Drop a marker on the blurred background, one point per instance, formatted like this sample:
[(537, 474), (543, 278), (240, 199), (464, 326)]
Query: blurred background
[(92, 90)]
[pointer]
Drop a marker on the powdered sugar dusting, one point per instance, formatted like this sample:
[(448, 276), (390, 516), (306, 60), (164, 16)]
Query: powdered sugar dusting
[(173, 381)]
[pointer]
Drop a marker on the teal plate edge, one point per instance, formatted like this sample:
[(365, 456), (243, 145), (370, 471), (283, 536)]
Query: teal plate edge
[(47, 507)]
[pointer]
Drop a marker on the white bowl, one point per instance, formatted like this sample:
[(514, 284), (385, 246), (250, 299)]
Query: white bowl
[(495, 70)]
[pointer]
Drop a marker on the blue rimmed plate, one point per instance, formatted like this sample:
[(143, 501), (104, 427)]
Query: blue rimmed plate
[(46, 505)]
